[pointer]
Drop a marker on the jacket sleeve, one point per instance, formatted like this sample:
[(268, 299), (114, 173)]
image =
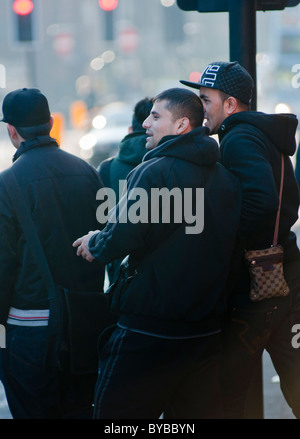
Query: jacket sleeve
[(8, 258), (246, 156), (128, 223)]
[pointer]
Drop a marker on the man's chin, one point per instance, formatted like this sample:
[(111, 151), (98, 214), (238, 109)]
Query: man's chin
[(149, 146), (212, 130)]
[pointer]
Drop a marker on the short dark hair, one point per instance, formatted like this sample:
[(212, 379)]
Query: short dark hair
[(224, 96), (141, 111), (183, 103), (34, 131)]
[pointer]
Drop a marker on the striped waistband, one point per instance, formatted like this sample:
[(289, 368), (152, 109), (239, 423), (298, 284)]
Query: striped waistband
[(30, 317)]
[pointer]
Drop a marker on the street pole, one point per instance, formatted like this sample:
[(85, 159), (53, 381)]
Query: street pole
[(242, 25), (30, 59)]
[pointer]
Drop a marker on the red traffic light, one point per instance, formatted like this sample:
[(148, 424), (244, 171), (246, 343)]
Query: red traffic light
[(23, 7), (108, 5)]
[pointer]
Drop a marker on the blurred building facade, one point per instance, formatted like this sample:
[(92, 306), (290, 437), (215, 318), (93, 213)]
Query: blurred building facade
[(152, 46)]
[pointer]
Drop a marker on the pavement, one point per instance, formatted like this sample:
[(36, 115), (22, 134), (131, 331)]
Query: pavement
[(4, 410)]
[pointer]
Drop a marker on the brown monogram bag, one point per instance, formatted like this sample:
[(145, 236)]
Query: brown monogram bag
[(266, 266)]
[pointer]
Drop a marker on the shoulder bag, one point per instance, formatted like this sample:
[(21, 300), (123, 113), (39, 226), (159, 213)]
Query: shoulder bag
[(266, 266)]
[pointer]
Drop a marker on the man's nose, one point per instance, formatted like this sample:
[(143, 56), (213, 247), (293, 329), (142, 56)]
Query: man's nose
[(145, 123)]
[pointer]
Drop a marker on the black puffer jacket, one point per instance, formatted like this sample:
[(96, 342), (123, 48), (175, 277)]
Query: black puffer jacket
[(250, 145), (61, 192), (179, 286)]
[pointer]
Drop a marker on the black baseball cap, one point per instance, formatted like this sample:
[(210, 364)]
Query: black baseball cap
[(229, 77), (25, 107)]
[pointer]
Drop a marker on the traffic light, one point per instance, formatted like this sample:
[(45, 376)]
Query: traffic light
[(23, 16), (225, 5), (108, 7)]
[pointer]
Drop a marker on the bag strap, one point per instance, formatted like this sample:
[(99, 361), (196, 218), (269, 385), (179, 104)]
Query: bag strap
[(275, 239), (24, 217)]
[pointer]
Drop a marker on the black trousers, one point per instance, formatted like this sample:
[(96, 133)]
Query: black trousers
[(271, 324), (142, 375), (35, 393)]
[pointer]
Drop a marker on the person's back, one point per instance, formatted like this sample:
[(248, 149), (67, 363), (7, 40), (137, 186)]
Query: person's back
[(274, 135), (60, 191)]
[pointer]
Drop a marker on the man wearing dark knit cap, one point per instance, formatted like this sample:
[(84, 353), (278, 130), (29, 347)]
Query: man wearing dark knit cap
[(60, 191), (251, 145)]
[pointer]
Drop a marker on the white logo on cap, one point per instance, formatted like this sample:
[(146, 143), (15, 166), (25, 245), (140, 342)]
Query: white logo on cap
[(210, 75)]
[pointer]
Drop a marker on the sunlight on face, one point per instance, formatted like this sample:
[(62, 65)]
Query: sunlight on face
[(213, 105), (158, 124)]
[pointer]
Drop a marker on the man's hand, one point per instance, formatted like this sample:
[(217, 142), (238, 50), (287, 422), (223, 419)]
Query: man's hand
[(83, 246)]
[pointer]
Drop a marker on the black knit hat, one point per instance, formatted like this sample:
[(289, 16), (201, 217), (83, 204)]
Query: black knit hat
[(229, 77), (25, 107)]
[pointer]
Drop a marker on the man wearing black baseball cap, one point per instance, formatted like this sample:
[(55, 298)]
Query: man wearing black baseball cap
[(26, 112), (251, 145), (60, 191), (219, 82)]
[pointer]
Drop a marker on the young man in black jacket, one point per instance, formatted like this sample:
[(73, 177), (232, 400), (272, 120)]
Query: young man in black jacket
[(60, 191), (165, 348), (251, 144)]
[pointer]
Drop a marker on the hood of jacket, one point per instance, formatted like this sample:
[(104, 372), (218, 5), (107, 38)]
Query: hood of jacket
[(133, 148), (196, 147), (279, 128)]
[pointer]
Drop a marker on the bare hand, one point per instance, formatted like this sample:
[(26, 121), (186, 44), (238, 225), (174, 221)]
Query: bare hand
[(83, 246)]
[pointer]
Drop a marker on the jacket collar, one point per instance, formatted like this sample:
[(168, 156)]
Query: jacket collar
[(36, 142)]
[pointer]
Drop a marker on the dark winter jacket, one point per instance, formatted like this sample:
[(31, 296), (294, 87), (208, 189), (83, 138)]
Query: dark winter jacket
[(250, 145), (60, 190), (178, 288)]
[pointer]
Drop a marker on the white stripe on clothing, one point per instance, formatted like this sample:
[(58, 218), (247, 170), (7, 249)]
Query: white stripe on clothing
[(28, 317)]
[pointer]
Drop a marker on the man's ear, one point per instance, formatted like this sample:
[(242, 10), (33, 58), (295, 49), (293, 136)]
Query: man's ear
[(231, 105), (12, 131), (51, 121), (183, 125)]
